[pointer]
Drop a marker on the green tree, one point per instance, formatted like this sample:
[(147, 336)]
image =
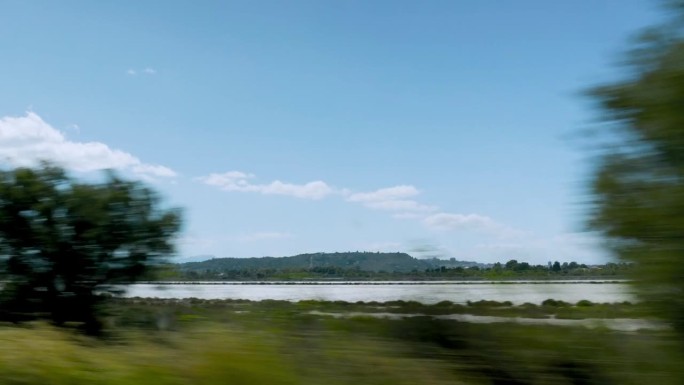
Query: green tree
[(64, 244), (512, 264), (638, 186)]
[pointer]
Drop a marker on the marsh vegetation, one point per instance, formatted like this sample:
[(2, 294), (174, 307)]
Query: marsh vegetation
[(278, 342)]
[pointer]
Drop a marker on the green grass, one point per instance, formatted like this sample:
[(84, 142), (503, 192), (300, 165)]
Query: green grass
[(276, 342), (207, 354)]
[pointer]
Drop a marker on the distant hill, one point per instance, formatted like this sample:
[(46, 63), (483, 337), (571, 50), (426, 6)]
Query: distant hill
[(364, 261)]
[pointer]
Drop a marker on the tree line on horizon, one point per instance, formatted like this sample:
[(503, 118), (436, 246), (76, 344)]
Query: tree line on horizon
[(381, 266)]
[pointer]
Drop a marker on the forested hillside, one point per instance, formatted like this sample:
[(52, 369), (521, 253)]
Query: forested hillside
[(381, 266), (363, 261)]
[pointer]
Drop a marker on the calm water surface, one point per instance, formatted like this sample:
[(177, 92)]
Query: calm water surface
[(428, 293)]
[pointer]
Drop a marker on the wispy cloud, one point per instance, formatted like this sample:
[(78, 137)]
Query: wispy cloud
[(385, 194), (241, 182), (448, 221), (403, 205), (152, 169), (388, 199), (145, 71), (468, 222), (399, 200), (27, 140), (392, 199)]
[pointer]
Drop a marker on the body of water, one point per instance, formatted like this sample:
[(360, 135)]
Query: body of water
[(428, 293)]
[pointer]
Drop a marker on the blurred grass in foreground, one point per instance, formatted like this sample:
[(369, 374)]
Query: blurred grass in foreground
[(277, 343)]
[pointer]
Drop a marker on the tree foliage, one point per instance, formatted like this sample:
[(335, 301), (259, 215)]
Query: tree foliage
[(65, 243), (361, 260), (386, 267), (638, 186)]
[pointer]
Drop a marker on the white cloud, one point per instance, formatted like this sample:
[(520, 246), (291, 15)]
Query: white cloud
[(146, 71), (385, 194), (26, 140), (228, 181), (392, 199), (389, 199), (447, 221), (240, 181), (311, 190), (152, 169), (469, 222)]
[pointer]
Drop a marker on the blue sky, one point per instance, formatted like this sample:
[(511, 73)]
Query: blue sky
[(438, 128)]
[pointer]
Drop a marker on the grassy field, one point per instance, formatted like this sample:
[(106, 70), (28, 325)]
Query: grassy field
[(273, 342)]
